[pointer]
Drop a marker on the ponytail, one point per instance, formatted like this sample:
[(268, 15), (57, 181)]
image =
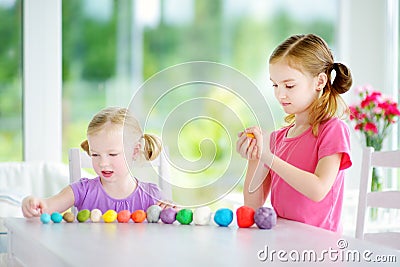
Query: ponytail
[(152, 146), (343, 80), (85, 146), (331, 103)]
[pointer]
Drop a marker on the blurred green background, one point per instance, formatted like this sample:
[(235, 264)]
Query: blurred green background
[(110, 47)]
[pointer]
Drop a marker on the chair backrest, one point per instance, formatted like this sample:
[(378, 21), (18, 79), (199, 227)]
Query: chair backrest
[(79, 159), (381, 199)]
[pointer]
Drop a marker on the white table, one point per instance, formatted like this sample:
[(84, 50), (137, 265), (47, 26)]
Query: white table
[(32, 243)]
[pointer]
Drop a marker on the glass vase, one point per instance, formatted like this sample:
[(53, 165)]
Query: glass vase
[(376, 142)]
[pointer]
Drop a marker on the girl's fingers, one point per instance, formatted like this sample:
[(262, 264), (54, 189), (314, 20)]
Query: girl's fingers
[(242, 145)]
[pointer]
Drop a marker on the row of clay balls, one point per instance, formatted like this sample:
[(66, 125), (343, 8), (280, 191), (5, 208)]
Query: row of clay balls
[(264, 217)]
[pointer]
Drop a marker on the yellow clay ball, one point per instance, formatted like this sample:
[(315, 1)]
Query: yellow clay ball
[(110, 216)]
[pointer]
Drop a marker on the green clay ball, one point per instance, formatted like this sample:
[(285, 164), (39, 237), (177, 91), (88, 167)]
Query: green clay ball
[(184, 216), (83, 215)]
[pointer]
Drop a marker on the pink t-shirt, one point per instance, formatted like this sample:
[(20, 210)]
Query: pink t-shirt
[(304, 151)]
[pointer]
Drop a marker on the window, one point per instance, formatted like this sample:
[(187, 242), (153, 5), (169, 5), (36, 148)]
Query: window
[(111, 47), (10, 81)]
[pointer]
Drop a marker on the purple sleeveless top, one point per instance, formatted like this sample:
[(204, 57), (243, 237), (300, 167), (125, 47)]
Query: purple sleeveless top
[(89, 194)]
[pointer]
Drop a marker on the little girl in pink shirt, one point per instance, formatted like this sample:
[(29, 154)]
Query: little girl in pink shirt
[(302, 165)]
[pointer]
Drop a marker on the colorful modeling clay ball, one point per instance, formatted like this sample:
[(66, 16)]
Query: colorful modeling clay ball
[(124, 216), (95, 215), (245, 216), (250, 135), (223, 217), (83, 215), (202, 215), (110, 216), (138, 216), (153, 213), (265, 218), (184, 216), (168, 215), (69, 217), (45, 218), (56, 217)]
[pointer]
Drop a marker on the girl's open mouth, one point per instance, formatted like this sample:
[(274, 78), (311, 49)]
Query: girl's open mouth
[(107, 174)]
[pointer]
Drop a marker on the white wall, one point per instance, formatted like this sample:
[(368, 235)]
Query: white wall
[(368, 43), (42, 58)]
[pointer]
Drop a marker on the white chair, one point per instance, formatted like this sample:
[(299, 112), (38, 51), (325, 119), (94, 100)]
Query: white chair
[(381, 199), (79, 159)]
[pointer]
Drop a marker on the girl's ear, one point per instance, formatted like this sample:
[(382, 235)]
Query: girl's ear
[(136, 151), (322, 79)]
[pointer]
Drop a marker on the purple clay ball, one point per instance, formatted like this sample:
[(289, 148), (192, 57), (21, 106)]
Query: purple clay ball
[(265, 218), (168, 215)]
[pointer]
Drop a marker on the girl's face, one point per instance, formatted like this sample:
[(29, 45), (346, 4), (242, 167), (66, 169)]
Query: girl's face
[(106, 149), (294, 90)]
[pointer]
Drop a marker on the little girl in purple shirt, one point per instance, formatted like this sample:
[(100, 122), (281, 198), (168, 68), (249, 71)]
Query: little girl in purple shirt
[(114, 141)]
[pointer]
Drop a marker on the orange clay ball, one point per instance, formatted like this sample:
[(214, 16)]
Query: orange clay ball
[(138, 216), (250, 135), (124, 216)]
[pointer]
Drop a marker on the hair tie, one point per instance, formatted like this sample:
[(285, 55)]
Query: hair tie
[(336, 66)]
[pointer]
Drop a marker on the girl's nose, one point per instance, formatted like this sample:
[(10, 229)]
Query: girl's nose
[(281, 94), (103, 161)]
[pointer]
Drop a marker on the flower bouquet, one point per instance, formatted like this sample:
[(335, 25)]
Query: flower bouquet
[(373, 116)]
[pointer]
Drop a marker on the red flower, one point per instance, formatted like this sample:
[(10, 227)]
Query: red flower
[(392, 109), (374, 98), (373, 115), (370, 128)]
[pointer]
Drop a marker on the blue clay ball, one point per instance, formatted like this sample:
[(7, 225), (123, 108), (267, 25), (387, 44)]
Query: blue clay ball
[(223, 217), (45, 218), (56, 217)]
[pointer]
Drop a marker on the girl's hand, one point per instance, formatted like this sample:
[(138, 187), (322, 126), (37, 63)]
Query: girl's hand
[(253, 144), (32, 206), (246, 146), (165, 204), (262, 143)]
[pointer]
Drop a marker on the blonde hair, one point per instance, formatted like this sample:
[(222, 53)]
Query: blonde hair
[(122, 117), (310, 53)]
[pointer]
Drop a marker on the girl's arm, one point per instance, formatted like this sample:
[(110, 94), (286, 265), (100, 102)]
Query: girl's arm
[(315, 185), (257, 198), (33, 206), (257, 177)]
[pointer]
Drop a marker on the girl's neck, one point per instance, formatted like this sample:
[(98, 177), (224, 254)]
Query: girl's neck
[(121, 189), (301, 120), (300, 126)]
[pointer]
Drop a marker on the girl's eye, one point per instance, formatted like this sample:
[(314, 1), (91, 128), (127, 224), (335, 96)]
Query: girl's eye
[(94, 155), (113, 155), (274, 85), (289, 86)]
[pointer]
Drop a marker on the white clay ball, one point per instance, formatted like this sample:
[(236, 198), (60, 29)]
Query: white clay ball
[(95, 215), (202, 215)]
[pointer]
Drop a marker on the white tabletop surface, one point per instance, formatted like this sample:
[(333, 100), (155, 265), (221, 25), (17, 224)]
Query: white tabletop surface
[(158, 244)]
